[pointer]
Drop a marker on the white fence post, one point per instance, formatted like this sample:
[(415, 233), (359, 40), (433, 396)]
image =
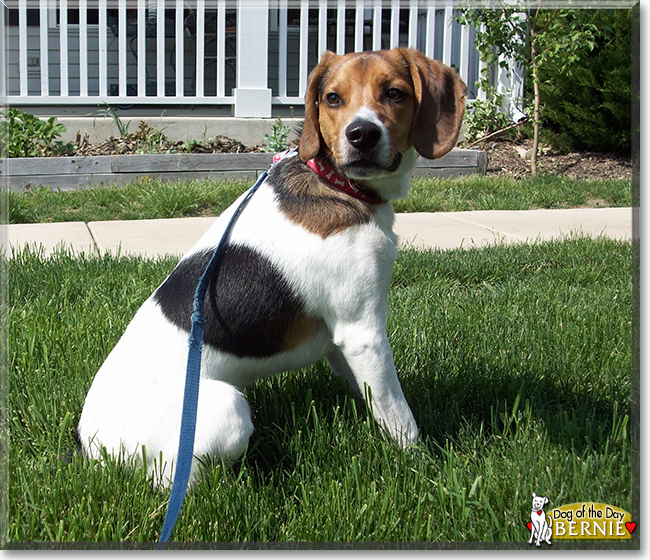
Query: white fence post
[(22, 45), (160, 48), (121, 48), (510, 84), (3, 101), (141, 71), (322, 27), (3, 68), (340, 27), (303, 71), (102, 39), (83, 49), (252, 94), (413, 24)]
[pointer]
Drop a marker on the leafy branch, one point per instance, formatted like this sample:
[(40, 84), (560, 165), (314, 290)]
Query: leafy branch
[(536, 37)]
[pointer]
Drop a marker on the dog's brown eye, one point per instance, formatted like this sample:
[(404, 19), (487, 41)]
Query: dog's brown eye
[(395, 95), (332, 99)]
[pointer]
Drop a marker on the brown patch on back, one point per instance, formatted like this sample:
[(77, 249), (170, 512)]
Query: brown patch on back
[(303, 328), (312, 203)]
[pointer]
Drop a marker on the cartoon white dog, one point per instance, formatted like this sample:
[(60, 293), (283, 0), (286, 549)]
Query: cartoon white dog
[(540, 527)]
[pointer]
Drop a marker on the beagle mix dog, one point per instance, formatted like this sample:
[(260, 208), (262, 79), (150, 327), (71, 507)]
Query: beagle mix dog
[(305, 274)]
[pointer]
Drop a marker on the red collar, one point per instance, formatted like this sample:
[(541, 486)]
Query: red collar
[(348, 186), (334, 178)]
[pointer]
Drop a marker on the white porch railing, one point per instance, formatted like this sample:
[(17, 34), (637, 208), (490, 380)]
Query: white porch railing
[(248, 54)]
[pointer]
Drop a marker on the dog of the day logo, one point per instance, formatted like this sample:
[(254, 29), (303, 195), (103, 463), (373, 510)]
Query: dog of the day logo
[(578, 521)]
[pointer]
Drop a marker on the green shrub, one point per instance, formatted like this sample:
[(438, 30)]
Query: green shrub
[(590, 106), (484, 117), (24, 135)]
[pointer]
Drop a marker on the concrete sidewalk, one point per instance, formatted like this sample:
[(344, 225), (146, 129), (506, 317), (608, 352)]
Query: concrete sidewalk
[(445, 230)]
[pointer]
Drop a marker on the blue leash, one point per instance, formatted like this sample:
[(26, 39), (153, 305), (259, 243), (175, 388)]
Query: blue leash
[(192, 376)]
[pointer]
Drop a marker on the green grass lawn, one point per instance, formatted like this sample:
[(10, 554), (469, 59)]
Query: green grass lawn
[(157, 199), (516, 361)]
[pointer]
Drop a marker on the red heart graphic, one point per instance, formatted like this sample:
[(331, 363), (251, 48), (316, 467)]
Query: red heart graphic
[(530, 526), (630, 526)]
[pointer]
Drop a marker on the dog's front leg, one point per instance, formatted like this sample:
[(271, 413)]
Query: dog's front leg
[(366, 361), (539, 534), (341, 368)]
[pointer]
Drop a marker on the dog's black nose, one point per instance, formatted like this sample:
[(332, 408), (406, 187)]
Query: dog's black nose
[(363, 135)]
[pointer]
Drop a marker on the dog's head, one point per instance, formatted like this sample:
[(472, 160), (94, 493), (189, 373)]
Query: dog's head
[(365, 111), (539, 502)]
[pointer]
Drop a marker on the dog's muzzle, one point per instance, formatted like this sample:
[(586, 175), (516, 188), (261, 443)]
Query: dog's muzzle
[(368, 154)]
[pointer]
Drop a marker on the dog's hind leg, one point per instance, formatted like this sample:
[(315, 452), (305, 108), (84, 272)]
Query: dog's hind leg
[(147, 428), (223, 424), (549, 532)]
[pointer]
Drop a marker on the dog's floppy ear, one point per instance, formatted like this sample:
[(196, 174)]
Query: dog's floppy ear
[(440, 94), (310, 137)]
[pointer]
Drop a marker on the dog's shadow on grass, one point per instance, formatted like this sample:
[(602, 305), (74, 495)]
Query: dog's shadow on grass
[(484, 398), (294, 411), (489, 396)]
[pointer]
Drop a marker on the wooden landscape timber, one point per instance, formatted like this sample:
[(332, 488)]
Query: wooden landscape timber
[(69, 173)]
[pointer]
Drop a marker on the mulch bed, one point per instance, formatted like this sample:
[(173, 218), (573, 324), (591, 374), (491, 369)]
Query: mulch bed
[(148, 140), (510, 158)]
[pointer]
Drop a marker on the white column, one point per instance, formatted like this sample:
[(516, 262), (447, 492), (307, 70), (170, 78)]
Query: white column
[(252, 94)]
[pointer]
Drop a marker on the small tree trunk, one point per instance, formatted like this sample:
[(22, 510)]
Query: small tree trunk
[(533, 159), (533, 52)]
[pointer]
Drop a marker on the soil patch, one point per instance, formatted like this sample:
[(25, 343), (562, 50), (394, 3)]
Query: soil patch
[(509, 158), (148, 140)]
